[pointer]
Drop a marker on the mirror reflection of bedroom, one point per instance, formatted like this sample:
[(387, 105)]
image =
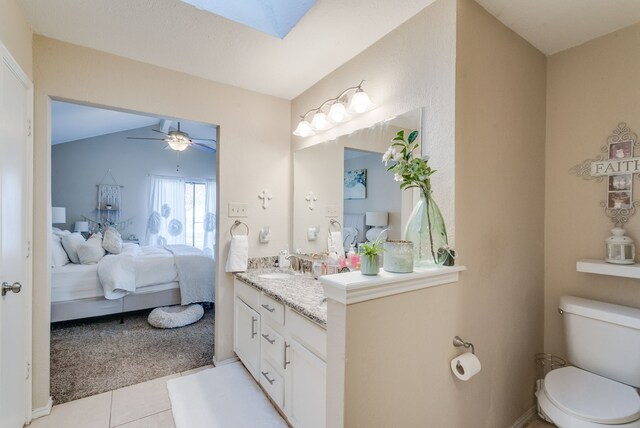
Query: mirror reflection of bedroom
[(133, 235)]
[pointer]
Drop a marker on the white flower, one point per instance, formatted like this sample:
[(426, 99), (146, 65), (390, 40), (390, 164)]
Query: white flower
[(397, 157), (397, 177)]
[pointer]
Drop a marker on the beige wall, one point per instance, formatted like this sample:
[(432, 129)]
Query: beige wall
[(15, 33), (398, 348), (253, 153), (591, 88)]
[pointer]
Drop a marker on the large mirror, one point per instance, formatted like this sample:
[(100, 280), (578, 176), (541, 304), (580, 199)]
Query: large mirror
[(345, 180)]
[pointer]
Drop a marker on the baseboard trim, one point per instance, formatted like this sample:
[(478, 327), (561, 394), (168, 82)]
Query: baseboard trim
[(525, 418), (42, 411), (217, 363)]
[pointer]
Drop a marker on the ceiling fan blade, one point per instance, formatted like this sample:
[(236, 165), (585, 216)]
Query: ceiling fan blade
[(142, 138), (203, 147), (204, 139), (157, 130)]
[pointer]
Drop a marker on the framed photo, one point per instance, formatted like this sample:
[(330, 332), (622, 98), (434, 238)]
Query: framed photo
[(355, 184), (619, 200), (621, 150), (620, 182)]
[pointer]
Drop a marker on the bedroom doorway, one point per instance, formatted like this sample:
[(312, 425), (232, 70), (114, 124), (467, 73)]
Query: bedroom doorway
[(134, 209)]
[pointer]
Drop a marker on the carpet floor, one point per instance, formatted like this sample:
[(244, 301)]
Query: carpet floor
[(92, 356)]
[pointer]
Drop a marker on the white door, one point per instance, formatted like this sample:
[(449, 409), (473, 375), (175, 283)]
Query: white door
[(15, 235), (247, 336), (305, 396)]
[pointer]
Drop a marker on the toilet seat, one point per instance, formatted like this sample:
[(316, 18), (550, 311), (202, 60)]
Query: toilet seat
[(572, 397)]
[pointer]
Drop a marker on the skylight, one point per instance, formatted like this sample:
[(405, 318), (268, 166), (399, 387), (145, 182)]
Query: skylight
[(274, 17)]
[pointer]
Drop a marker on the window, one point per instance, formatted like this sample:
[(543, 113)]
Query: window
[(195, 195)]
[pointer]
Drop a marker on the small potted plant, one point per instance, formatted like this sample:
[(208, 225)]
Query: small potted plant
[(369, 252)]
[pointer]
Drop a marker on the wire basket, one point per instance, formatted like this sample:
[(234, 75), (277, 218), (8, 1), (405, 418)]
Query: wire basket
[(547, 362)]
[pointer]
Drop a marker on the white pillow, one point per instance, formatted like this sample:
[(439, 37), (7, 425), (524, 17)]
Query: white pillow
[(91, 251), (59, 256), (112, 241), (70, 243)]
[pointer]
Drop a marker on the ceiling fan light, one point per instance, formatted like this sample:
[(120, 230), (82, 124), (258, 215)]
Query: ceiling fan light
[(303, 129), (320, 122), (360, 102), (178, 144), (338, 113)]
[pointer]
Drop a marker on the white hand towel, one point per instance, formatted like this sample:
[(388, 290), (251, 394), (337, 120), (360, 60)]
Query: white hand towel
[(238, 254), (334, 243)]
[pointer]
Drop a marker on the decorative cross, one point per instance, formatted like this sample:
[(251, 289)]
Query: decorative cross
[(266, 197), (617, 164), (311, 198)]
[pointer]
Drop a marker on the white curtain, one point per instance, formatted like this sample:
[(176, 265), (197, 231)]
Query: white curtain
[(166, 220), (210, 218)]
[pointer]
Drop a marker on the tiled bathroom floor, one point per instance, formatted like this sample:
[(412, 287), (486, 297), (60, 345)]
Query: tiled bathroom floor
[(539, 423), (145, 405)]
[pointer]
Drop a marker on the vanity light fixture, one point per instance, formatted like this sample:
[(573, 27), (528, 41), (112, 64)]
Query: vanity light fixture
[(338, 111)]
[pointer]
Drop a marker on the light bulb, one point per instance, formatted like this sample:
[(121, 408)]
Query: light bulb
[(303, 129), (319, 121), (360, 102), (338, 113), (178, 144)]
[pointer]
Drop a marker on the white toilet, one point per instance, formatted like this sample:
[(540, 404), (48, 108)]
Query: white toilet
[(603, 343)]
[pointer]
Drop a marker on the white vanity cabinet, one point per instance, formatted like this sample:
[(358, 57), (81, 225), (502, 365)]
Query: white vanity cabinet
[(287, 355)]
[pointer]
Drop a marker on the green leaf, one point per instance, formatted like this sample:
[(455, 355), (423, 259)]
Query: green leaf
[(412, 136)]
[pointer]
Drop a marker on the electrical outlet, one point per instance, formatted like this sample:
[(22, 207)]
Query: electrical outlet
[(331, 211), (236, 209)]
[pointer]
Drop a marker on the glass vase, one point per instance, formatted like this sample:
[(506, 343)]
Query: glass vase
[(427, 231)]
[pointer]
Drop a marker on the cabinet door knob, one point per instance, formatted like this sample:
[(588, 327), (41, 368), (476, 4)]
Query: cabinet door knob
[(266, 337), (267, 378), (269, 308)]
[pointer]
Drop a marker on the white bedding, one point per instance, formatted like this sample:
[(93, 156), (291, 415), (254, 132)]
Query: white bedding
[(75, 282), (135, 267)]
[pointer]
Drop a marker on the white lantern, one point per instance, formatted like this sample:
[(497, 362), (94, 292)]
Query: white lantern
[(620, 248)]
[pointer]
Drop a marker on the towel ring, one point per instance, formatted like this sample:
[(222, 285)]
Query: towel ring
[(333, 222), (236, 224)]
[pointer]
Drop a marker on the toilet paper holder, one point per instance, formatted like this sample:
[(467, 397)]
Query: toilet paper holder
[(458, 342)]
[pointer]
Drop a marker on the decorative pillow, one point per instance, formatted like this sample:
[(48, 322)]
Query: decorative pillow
[(112, 241), (58, 254), (91, 251), (70, 243)]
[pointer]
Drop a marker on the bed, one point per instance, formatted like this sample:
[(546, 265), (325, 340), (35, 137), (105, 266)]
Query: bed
[(138, 278)]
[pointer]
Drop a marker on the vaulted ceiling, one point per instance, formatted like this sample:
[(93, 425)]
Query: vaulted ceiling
[(178, 36)]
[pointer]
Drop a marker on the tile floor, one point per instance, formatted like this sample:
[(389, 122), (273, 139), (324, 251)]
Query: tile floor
[(539, 423), (145, 405)]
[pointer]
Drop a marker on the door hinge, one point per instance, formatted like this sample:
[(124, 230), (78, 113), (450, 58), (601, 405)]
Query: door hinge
[(28, 370), (29, 128), (28, 249)]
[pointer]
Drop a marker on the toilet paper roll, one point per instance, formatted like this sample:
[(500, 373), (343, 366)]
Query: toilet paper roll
[(465, 366)]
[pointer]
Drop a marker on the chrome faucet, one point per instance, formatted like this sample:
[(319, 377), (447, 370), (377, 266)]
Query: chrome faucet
[(298, 261)]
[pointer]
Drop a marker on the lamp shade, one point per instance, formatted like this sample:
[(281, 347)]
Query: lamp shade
[(81, 226), (304, 129), (377, 218), (58, 215), (360, 102)]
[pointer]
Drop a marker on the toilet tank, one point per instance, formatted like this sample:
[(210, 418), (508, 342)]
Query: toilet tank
[(603, 338)]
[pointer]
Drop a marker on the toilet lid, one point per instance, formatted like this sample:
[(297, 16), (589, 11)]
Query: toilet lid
[(591, 397)]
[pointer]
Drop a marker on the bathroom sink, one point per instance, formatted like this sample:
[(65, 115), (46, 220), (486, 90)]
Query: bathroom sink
[(276, 275)]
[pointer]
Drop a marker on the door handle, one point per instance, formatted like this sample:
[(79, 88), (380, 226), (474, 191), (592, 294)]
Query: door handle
[(15, 287), (253, 325)]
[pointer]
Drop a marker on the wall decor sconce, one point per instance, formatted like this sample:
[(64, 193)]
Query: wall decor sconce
[(340, 109), (312, 233), (266, 196), (265, 235), (311, 198)]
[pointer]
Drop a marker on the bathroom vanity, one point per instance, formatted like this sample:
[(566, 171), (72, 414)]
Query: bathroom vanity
[(280, 337)]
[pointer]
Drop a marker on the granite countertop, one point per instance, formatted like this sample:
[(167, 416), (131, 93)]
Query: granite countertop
[(302, 293)]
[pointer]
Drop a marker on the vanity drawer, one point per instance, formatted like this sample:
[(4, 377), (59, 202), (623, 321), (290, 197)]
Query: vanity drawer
[(272, 382), (272, 345), (272, 309), (307, 333), (247, 294)]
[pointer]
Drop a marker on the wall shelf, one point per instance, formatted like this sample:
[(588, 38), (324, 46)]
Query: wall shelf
[(601, 267)]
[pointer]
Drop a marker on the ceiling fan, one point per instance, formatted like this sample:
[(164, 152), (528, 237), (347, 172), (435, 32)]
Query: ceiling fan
[(179, 140)]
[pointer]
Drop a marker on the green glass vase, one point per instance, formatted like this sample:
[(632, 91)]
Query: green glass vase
[(427, 231)]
